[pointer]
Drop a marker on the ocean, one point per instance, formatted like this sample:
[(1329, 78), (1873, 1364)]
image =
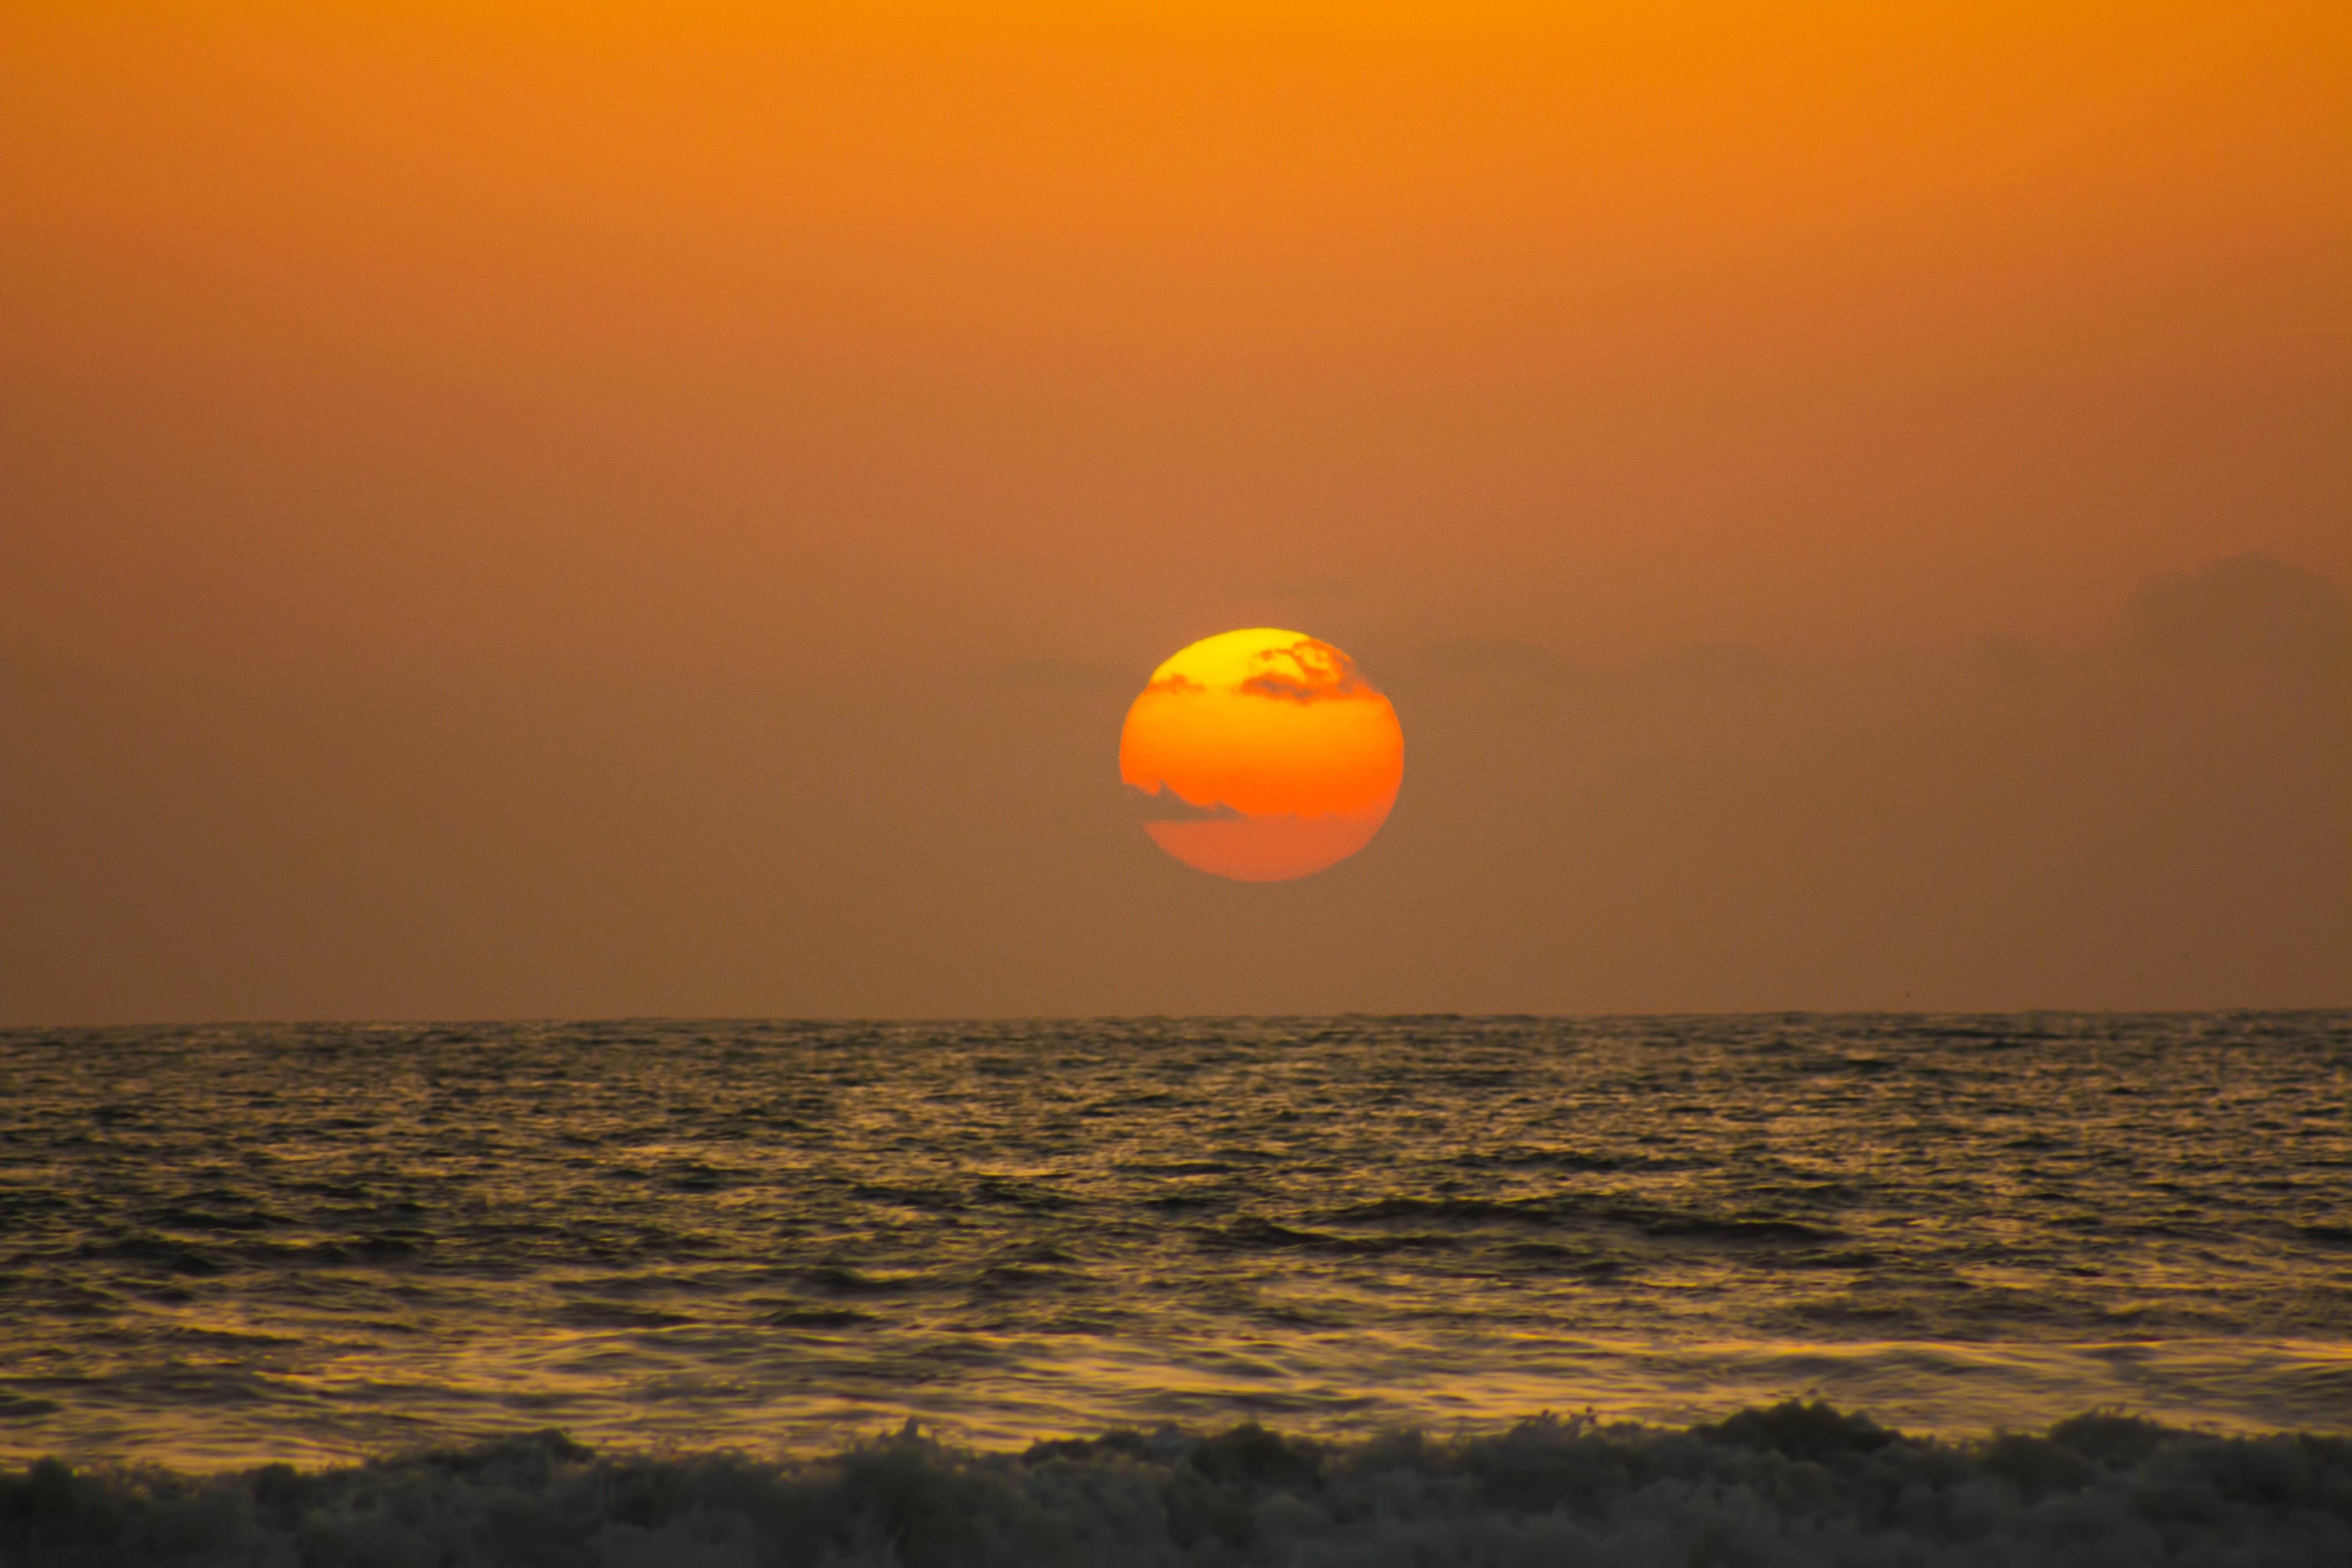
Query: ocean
[(1873, 1289)]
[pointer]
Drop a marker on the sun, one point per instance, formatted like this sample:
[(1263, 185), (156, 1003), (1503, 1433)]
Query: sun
[(1261, 755)]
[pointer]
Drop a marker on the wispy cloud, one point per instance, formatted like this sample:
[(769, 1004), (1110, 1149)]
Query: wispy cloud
[(1308, 670), (1163, 803), (2248, 609)]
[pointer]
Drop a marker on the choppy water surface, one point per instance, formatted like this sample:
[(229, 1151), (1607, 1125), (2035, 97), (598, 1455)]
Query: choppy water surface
[(223, 1246)]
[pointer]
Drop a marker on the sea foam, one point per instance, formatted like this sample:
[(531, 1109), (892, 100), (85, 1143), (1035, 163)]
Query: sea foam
[(1791, 1484)]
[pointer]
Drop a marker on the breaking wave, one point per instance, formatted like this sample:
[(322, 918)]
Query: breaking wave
[(1793, 1484)]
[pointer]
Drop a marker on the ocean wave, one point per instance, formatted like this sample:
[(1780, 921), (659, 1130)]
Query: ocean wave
[(1795, 1483)]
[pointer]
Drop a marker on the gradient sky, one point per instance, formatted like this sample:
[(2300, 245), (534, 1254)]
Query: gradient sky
[(571, 510)]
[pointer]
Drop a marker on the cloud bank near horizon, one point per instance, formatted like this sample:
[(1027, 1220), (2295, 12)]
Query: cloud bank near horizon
[(2002, 824)]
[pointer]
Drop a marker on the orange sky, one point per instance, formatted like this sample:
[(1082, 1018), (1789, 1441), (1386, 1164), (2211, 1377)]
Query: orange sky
[(510, 509)]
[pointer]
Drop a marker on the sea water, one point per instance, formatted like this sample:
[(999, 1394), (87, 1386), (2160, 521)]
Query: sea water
[(1047, 1267)]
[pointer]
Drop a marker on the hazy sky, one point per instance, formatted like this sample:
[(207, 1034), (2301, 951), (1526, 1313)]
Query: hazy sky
[(542, 510)]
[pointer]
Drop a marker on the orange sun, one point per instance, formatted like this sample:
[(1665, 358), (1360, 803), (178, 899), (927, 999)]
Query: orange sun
[(1261, 755)]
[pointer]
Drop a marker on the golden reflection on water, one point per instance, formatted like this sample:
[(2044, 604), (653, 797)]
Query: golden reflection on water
[(232, 1246)]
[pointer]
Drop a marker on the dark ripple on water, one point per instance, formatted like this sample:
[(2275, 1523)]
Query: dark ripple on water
[(236, 1244)]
